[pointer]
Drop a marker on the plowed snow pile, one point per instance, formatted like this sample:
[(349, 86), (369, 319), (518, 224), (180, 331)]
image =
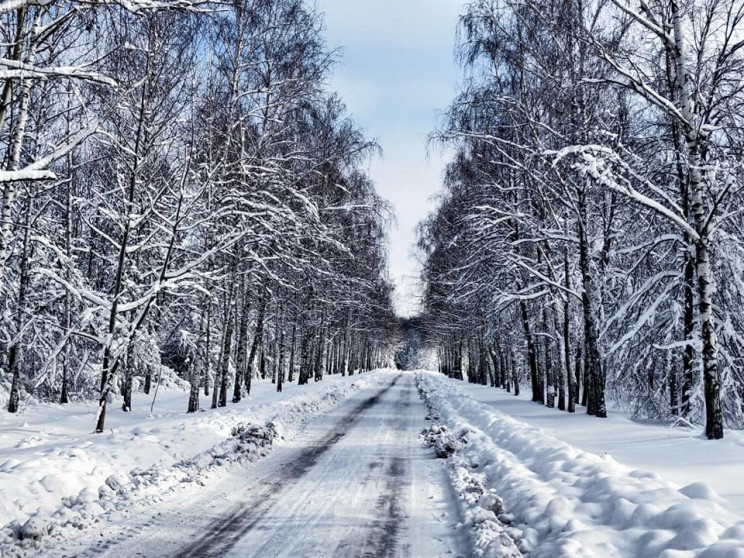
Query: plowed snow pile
[(565, 502)]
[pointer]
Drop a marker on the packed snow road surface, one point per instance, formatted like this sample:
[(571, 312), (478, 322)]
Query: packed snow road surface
[(358, 482)]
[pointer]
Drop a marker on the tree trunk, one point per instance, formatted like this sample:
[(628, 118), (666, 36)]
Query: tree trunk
[(208, 347), (198, 371), (531, 352), (560, 375), (242, 348), (280, 363), (593, 372), (672, 375), (688, 329), (305, 356), (15, 356), (225, 367), (15, 147), (549, 365), (290, 376), (67, 318), (711, 377), (126, 388), (256, 344), (580, 375), (573, 388)]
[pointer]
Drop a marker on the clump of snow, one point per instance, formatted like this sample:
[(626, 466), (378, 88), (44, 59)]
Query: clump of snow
[(440, 438), (568, 502)]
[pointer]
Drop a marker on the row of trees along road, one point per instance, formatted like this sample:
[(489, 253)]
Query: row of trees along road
[(590, 233), (180, 186)]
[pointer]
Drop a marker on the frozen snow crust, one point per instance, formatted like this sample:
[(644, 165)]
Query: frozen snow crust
[(56, 478), (560, 501)]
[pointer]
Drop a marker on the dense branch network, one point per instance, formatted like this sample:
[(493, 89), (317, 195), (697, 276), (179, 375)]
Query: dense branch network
[(589, 236), (181, 188)]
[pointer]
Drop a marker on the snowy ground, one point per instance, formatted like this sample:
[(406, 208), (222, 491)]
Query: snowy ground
[(602, 494), (680, 455), (354, 480), (56, 475), (339, 468)]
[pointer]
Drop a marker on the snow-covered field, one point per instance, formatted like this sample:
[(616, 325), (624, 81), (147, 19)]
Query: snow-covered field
[(57, 476), (680, 455), (580, 486)]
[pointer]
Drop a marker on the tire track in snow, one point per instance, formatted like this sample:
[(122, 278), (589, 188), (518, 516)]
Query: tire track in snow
[(228, 529), (383, 540), (365, 487), (385, 534)]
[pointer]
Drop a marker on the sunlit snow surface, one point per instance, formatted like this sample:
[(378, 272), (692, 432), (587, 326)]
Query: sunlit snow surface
[(582, 486), (353, 479), (54, 467), (350, 476)]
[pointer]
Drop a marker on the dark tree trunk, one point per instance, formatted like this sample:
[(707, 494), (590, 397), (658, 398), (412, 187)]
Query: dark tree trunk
[(594, 378), (208, 347), (225, 363), (15, 356), (280, 363), (305, 356), (531, 352), (193, 398), (573, 388), (64, 396), (241, 355), (290, 377), (581, 376), (495, 360), (126, 389), (688, 354), (672, 374), (319, 354), (549, 368), (256, 344)]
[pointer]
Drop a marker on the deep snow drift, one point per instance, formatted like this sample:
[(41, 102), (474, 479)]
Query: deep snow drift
[(559, 500)]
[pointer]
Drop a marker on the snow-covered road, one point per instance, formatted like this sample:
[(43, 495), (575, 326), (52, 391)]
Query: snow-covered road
[(357, 482), (344, 472)]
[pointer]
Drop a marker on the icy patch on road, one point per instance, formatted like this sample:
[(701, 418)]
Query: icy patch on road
[(571, 503), (60, 484)]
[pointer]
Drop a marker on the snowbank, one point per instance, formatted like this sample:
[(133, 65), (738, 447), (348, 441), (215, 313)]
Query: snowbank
[(56, 475), (567, 502), (680, 454)]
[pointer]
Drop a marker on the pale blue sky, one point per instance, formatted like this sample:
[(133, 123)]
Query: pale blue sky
[(397, 74)]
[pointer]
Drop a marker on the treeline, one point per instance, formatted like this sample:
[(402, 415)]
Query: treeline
[(179, 186), (589, 239)]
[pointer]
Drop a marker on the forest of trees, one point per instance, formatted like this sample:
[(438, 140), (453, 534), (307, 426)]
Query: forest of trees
[(180, 187), (590, 237)]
